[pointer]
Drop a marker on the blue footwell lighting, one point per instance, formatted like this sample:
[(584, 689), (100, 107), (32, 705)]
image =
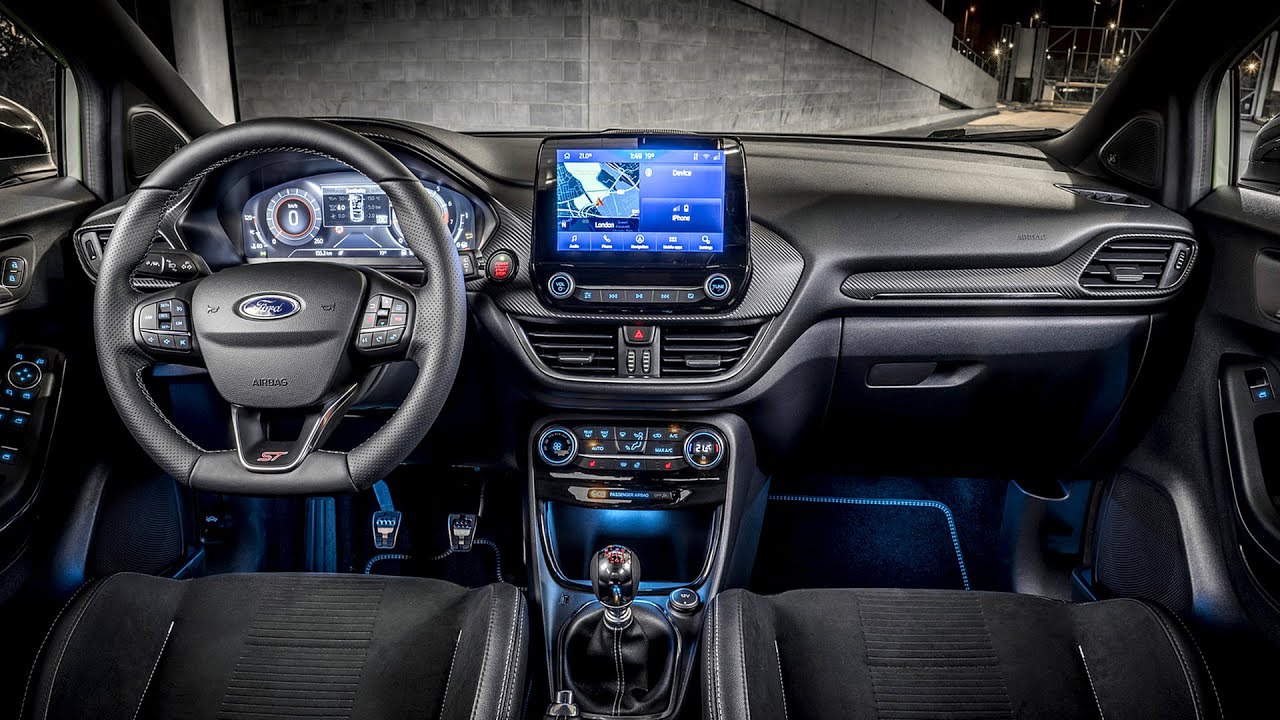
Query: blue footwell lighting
[(932, 504)]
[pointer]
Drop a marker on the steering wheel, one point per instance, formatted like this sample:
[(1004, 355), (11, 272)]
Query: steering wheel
[(302, 337)]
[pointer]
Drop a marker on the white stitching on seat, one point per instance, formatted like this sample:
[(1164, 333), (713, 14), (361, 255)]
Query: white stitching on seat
[(1203, 661), (484, 660), (1186, 672), (507, 680), (53, 682), (782, 685), (1092, 687), (48, 634), (515, 650), (715, 657), (444, 700), (742, 660), (168, 634)]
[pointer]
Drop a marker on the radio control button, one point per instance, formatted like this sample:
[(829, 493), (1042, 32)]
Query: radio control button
[(717, 286), (639, 295), (588, 294), (690, 296), (560, 285), (666, 296), (613, 296)]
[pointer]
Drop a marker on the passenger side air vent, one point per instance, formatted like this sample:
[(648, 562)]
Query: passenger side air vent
[(703, 351), (1108, 197), (1137, 263), (587, 350)]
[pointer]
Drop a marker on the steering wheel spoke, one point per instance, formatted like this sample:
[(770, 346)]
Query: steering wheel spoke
[(261, 450), (163, 326)]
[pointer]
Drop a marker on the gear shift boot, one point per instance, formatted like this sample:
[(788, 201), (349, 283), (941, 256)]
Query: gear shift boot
[(616, 670)]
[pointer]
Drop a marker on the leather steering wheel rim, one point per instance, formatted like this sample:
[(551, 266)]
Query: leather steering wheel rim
[(435, 346)]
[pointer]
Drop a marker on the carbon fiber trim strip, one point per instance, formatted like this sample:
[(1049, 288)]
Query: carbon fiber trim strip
[(1053, 281)]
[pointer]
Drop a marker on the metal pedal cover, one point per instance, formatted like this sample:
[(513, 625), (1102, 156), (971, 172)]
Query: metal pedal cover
[(386, 528), (462, 531)]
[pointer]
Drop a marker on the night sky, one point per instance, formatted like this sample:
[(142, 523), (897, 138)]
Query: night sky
[(984, 24)]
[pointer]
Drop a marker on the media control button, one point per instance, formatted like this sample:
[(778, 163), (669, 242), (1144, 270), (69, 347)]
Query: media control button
[(665, 296), (588, 294), (613, 296), (639, 295), (690, 296), (717, 286), (560, 285)]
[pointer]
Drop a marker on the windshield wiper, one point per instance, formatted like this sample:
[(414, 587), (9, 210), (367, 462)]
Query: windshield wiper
[(962, 133)]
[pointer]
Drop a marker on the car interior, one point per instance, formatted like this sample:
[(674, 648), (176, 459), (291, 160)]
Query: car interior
[(353, 416)]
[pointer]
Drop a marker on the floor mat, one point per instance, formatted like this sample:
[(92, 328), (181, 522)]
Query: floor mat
[(880, 532)]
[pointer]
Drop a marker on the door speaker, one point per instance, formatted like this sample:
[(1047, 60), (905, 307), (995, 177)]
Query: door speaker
[(1139, 551), (1136, 151)]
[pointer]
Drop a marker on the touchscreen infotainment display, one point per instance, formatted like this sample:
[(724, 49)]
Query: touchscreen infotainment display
[(647, 200)]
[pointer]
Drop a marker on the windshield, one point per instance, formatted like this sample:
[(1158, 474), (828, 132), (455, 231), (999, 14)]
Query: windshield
[(899, 67)]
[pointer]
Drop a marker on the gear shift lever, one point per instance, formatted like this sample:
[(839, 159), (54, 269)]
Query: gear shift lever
[(615, 575)]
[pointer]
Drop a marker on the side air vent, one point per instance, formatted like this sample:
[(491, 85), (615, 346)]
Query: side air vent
[(587, 350), (702, 351), (1137, 263), (1109, 197)]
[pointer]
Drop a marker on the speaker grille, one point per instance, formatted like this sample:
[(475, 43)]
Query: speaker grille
[(1136, 152), (139, 528), (152, 139), (1139, 549)]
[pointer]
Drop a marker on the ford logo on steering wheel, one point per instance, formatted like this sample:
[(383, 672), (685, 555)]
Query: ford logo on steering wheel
[(269, 307)]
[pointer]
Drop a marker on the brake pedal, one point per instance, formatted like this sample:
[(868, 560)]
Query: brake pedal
[(462, 531)]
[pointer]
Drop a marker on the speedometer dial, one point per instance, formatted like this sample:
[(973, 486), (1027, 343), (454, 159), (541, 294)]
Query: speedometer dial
[(293, 217)]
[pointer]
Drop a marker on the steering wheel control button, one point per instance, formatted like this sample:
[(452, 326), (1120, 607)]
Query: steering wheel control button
[(704, 449), (557, 446), (147, 318), (166, 325), (684, 601), (384, 322), (501, 267), (560, 285), (717, 286), (24, 375)]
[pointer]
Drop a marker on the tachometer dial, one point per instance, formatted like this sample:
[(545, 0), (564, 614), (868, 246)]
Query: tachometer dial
[(447, 213), (293, 217)]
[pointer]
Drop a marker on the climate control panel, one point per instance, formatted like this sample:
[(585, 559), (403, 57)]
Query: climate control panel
[(613, 447)]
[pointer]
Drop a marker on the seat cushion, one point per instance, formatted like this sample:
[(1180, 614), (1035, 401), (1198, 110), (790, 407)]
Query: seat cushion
[(243, 647), (855, 654)]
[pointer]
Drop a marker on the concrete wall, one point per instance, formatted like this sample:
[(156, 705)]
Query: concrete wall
[(572, 64), (908, 36)]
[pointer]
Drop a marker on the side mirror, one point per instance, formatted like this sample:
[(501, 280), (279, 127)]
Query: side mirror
[(24, 147), (1264, 159)]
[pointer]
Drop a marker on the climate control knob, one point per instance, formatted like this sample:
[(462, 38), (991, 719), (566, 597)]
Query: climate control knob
[(704, 449), (557, 446)]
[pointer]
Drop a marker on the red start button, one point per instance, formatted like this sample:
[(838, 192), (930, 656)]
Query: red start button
[(501, 266)]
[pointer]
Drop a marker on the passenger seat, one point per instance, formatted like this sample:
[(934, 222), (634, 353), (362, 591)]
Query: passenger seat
[(856, 654)]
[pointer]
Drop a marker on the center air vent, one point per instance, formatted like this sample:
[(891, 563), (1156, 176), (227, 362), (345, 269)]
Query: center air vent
[(587, 350), (1138, 263), (701, 351)]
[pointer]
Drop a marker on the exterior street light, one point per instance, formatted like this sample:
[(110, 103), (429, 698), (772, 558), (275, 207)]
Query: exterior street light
[(967, 11)]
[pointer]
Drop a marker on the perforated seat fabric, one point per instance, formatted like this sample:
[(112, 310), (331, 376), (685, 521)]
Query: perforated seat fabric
[(899, 654), (244, 647)]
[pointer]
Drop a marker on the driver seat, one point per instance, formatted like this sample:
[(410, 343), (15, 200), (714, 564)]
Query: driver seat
[(250, 646)]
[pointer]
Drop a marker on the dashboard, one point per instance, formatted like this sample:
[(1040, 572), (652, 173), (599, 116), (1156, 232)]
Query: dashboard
[(341, 216)]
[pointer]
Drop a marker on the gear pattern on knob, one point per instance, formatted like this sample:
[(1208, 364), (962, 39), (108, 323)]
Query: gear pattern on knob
[(615, 577)]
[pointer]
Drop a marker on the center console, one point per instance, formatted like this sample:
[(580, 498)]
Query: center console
[(641, 223), (678, 495)]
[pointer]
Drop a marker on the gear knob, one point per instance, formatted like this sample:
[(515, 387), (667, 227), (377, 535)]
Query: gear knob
[(615, 575)]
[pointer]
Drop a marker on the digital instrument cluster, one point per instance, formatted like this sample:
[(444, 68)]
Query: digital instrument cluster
[(342, 216)]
